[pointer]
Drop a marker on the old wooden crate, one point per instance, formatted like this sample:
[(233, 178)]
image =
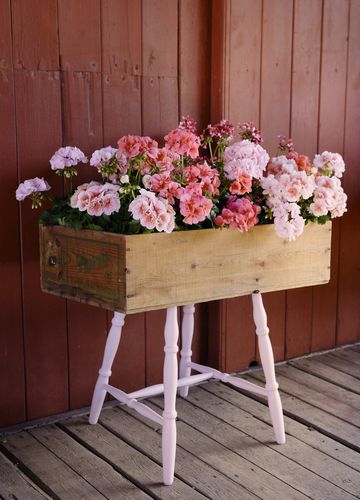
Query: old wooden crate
[(154, 271)]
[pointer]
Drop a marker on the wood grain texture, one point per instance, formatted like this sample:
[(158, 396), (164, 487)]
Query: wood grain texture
[(121, 101), (121, 33), (276, 54), (60, 479), (243, 73), (195, 60), (349, 270), (159, 44), (129, 461), (38, 135), (136, 273), (237, 54), (303, 130), (80, 35), (208, 481), (35, 32), (15, 484), (331, 138), (249, 465), (12, 407)]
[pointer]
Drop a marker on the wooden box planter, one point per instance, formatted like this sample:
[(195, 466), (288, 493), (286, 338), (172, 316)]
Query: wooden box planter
[(135, 273)]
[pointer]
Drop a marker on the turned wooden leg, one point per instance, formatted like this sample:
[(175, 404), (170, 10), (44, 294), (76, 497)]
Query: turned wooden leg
[(170, 387), (112, 344), (187, 331), (267, 361)]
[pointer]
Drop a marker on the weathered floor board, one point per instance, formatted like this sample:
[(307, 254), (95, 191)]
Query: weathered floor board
[(225, 449)]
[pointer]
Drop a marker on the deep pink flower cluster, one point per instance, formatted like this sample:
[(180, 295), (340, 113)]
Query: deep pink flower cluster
[(239, 213), (249, 131), (188, 123), (194, 206), (222, 129), (285, 143)]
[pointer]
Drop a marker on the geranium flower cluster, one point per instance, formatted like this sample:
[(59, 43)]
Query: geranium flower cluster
[(96, 198), (221, 178)]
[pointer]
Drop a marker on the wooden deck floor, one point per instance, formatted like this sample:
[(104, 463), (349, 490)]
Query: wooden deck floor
[(225, 444)]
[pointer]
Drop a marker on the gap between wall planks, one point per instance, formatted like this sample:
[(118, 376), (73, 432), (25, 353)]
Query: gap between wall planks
[(12, 406), (349, 269), (304, 121), (304, 80)]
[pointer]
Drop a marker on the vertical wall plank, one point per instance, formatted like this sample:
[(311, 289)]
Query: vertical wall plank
[(12, 402), (275, 119), (38, 124), (122, 68), (240, 59), (244, 64), (80, 53), (121, 55), (36, 42), (194, 47), (44, 316), (304, 125), (349, 270), (160, 114), (331, 137), (79, 35), (195, 60)]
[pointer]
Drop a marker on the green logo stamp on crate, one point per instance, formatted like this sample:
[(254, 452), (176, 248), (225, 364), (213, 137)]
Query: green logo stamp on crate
[(88, 264)]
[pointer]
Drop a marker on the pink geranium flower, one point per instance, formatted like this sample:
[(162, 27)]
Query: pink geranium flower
[(96, 198), (183, 142), (193, 205), (239, 213)]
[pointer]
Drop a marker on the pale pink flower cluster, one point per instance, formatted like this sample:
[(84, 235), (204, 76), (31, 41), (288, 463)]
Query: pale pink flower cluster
[(153, 212), (182, 142), (31, 186), (329, 196), (288, 187), (96, 198), (288, 221), (329, 163), (239, 213), (194, 206), (134, 145), (102, 156), (285, 186), (245, 158), (67, 157)]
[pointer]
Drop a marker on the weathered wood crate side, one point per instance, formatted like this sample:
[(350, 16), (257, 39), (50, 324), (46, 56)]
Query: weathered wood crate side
[(153, 271)]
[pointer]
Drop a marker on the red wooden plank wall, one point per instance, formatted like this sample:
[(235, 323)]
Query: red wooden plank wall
[(293, 67), (84, 73), (89, 71)]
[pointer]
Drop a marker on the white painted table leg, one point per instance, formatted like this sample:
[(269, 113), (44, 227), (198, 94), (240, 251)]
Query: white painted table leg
[(112, 344), (267, 361), (187, 331), (170, 388)]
